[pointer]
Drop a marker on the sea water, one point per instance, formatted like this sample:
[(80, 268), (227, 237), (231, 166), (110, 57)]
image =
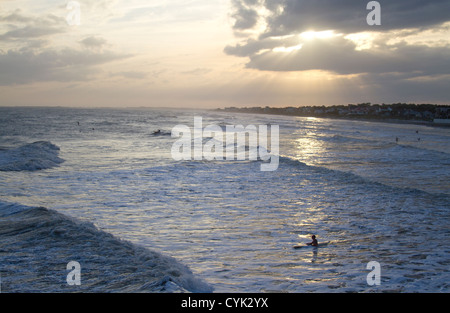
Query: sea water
[(99, 187)]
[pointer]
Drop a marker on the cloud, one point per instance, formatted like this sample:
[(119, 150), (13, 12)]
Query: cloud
[(339, 55), (21, 26), (255, 46), (244, 14), (347, 16), (27, 66), (398, 87), (131, 74), (174, 12), (198, 71), (287, 19), (93, 42), (406, 58), (34, 51), (29, 32), (16, 16)]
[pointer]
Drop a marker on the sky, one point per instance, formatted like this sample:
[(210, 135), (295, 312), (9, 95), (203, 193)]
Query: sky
[(220, 53)]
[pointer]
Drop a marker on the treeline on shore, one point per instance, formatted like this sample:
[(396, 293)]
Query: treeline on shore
[(400, 111)]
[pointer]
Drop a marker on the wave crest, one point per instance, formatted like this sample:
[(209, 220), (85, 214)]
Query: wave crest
[(34, 156), (37, 243)]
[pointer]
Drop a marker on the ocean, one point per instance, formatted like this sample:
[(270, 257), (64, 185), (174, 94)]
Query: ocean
[(100, 188)]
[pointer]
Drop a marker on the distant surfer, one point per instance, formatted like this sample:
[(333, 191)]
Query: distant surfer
[(314, 242), (157, 132), (396, 139)]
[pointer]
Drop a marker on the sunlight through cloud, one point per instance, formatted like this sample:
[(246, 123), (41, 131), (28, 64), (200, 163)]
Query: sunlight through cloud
[(288, 49), (309, 35)]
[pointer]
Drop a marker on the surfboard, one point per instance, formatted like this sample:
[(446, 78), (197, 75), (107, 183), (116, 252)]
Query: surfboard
[(321, 244)]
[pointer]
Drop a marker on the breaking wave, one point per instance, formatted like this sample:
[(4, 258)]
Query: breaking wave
[(38, 243), (34, 156)]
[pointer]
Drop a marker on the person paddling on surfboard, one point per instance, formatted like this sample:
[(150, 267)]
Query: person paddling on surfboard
[(314, 242)]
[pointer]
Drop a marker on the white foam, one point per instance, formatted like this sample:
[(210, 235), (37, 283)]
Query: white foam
[(41, 241), (34, 156)]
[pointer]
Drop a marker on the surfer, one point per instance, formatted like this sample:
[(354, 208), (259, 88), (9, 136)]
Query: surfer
[(314, 242), (157, 132)]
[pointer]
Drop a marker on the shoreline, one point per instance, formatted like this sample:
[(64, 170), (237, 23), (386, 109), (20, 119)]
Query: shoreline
[(393, 121), (348, 118)]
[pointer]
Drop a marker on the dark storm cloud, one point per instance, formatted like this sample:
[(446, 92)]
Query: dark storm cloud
[(398, 70), (339, 54), (347, 16)]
